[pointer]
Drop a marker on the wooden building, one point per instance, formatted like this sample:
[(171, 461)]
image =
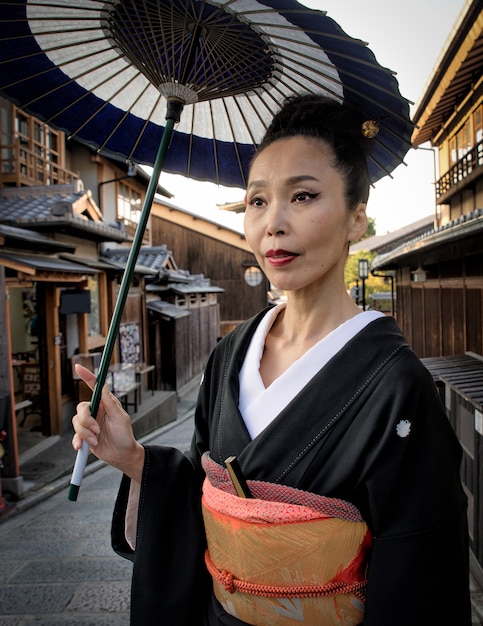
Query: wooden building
[(439, 273), (220, 252), (183, 319)]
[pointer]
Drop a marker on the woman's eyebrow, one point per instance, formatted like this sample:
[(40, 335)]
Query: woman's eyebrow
[(291, 180), (300, 179)]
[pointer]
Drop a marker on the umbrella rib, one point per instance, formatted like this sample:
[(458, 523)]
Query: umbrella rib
[(330, 51), (348, 73), (124, 41), (76, 101), (121, 121), (155, 39), (141, 133), (91, 117), (296, 79), (386, 148), (270, 94), (63, 31), (171, 44), (75, 78), (219, 68), (39, 19), (247, 125), (38, 53), (182, 65), (54, 5), (50, 69), (348, 88), (221, 63), (382, 167), (163, 35), (190, 146), (214, 144), (235, 144), (144, 53), (256, 110)]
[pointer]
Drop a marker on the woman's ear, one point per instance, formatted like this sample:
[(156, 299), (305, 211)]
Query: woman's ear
[(357, 222)]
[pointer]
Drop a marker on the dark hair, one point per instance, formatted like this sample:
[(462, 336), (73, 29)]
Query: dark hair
[(337, 124)]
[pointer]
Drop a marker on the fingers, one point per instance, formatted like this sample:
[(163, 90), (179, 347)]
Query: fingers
[(86, 375), (85, 426), (109, 400)]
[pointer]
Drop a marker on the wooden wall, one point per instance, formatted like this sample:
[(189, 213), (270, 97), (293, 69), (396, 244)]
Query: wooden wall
[(444, 315), (180, 347), (134, 312), (222, 263)]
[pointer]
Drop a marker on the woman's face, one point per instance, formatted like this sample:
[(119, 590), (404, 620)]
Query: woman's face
[(297, 221)]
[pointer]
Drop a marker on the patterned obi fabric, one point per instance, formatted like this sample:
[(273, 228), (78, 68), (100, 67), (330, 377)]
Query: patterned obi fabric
[(285, 556)]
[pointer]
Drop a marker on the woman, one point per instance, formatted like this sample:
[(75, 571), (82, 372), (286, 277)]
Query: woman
[(358, 514)]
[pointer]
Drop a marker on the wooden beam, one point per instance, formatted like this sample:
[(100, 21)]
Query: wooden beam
[(52, 332)]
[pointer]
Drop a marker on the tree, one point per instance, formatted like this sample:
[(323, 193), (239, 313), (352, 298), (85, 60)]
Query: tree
[(351, 274)]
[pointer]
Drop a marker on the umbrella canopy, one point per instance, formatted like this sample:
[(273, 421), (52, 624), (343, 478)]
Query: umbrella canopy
[(117, 74), (103, 70)]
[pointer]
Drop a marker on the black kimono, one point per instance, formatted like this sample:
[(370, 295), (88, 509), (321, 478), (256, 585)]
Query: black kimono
[(368, 428)]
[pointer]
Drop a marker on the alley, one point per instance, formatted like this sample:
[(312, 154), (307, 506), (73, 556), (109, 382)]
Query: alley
[(57, 566)]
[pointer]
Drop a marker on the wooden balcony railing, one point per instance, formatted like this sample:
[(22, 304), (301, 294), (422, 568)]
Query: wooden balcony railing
[(468, 164), (20, 166)]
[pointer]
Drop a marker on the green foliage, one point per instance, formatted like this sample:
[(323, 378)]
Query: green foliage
[(371, 228), (351, 276)]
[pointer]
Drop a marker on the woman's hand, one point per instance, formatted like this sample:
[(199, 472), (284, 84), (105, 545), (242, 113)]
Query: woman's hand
[(110, 436)]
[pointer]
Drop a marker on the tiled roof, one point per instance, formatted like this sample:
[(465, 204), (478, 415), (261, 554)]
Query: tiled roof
[(51, 211), (159, 260), (44, 263), (24, 239), (468, 225), (380, 243), (154, 258)]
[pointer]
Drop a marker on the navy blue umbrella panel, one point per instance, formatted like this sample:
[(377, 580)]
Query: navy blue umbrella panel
[(102, 71)]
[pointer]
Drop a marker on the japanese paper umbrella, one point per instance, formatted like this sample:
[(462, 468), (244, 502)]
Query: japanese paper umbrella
[(188, 86)]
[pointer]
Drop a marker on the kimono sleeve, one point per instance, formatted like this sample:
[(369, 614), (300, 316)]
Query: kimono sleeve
[(418, 571), (170, 584)]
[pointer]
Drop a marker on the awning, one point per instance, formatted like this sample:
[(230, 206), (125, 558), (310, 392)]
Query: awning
[(165, 310), (187, 288), (22, 238), (95, 263), (45, 268), (138, 269)]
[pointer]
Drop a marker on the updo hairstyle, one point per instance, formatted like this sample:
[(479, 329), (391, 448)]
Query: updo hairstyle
[(339, 126)]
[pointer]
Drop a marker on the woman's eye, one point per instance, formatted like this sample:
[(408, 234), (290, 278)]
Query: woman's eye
[(258, 202), (302, 196)]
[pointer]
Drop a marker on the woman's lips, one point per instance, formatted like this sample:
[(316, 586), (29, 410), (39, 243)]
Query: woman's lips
[(278, 258)]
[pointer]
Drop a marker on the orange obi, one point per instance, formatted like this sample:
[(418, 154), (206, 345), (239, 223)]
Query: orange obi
[(285, 556)]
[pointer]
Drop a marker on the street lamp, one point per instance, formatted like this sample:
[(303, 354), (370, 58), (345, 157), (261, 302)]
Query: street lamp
[(363, 274)]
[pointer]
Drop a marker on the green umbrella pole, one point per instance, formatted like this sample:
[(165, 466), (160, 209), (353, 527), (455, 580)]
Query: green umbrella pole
[(83, 453)]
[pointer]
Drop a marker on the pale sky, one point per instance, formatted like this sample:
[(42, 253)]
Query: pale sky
[(408, 38)]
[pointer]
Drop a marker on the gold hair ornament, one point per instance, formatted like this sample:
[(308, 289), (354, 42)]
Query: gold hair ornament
[(370, 129)]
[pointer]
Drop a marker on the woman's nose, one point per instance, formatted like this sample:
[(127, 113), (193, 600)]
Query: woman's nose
[(278, 233), (276, 223)]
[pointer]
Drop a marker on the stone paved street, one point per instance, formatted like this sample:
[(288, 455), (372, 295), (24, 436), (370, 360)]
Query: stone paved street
[(57, 566)]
